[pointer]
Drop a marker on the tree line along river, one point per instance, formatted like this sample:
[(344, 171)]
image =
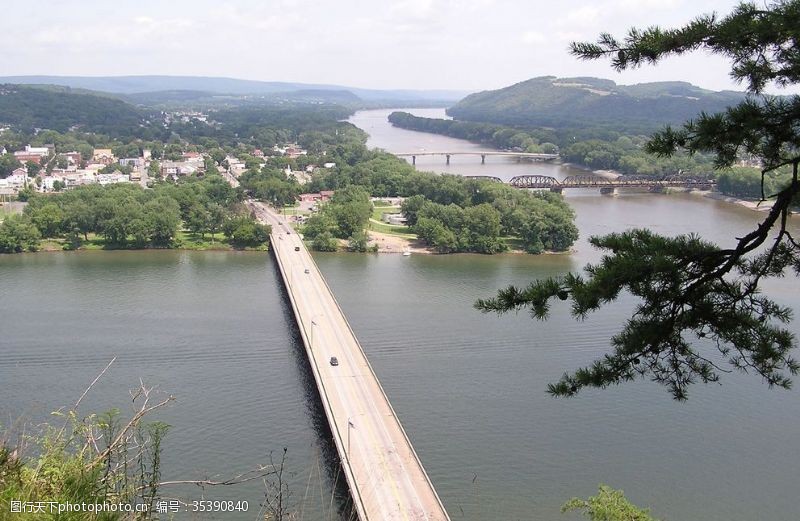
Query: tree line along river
[(213, 328)]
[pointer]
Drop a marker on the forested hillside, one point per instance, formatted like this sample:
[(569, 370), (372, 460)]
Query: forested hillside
[(548, 101), (61, 108)]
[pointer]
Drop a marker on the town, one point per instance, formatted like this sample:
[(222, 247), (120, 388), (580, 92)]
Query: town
[(44, 169)]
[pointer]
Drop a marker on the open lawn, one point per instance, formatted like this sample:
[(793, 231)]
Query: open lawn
[(191, 241), (400, 231), (378, 211)]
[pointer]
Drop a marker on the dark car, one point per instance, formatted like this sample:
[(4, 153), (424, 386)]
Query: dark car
[(334, 360), (297, 248)]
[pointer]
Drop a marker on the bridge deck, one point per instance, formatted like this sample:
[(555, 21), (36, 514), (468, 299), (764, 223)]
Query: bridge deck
[(386, 478), (478, 153)]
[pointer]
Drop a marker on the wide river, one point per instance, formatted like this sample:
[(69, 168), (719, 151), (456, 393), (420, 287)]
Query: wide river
[(214, 330)]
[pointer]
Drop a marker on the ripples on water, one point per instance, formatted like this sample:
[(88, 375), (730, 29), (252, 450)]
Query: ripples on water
[(210, 328), (213, 329)]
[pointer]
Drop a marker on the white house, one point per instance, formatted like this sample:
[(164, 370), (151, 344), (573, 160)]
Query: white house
[(18, 178)]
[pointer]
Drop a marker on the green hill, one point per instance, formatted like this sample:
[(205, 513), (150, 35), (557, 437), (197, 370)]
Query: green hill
[(61, 108), (548, 101)]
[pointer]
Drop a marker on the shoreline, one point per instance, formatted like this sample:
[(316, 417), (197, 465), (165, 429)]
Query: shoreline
[(46, 249), (756, 206)]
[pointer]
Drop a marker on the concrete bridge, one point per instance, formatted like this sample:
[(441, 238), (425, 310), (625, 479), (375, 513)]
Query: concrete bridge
[(384, 473), (482, 153), (605, 184)]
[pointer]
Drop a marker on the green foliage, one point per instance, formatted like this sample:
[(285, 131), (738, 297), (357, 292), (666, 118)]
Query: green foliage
[(350, 209), (358, 242), (8, 163), (411, 207), (325, 241), (246, 232), (436, 234), (18, 234), (47, 218), (26, 194), (61, 108), (692, 295), (598, 149), (491, 210), (344, 216), (750, 183), (591, 102), (91, 460), (127, 216), (607, 505), (270, 185), (116, 167)]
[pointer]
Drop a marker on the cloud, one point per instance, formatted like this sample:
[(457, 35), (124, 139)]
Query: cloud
[(583, 16), (647, 5), (530, 37)]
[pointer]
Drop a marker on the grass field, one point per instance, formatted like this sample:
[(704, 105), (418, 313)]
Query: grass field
[(378, 211), (400, 231)]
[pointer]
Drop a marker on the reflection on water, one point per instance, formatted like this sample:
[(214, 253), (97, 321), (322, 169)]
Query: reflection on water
[(328, 458), (215, 329)]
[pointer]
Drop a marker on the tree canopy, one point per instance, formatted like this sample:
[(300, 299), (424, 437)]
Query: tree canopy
[(695, 298)]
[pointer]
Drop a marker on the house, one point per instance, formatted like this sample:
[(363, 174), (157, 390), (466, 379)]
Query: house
[(39, 151), (18, 178), (310, 198), (133, 162), (24, 157), (112, 178), (178, 168), (74, 158), (103, 156), (294, 152)]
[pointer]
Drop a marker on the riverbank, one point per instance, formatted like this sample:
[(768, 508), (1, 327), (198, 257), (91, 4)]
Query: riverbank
[(390, 243), (185, 241), (758, 206)]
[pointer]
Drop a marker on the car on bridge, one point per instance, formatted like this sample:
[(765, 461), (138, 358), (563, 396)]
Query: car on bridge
[(334, 361)]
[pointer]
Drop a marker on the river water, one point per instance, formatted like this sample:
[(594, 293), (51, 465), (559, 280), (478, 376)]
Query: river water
[(213, 329)]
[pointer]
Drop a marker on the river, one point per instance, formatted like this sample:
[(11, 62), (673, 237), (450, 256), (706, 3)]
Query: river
[(213, 329)]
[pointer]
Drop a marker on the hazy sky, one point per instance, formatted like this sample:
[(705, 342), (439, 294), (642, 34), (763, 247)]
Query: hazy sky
[(446, 44)]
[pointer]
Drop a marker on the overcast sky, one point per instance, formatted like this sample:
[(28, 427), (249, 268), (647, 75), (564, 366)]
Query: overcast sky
[(421, 44)]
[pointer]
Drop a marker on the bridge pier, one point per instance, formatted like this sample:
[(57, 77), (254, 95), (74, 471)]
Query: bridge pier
[(448, 158), (413, 160), (608, 191), (483, 159), (556, 189)]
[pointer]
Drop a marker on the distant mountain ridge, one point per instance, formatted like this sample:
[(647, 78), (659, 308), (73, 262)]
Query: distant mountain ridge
[(130, 85), (548, 101)]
